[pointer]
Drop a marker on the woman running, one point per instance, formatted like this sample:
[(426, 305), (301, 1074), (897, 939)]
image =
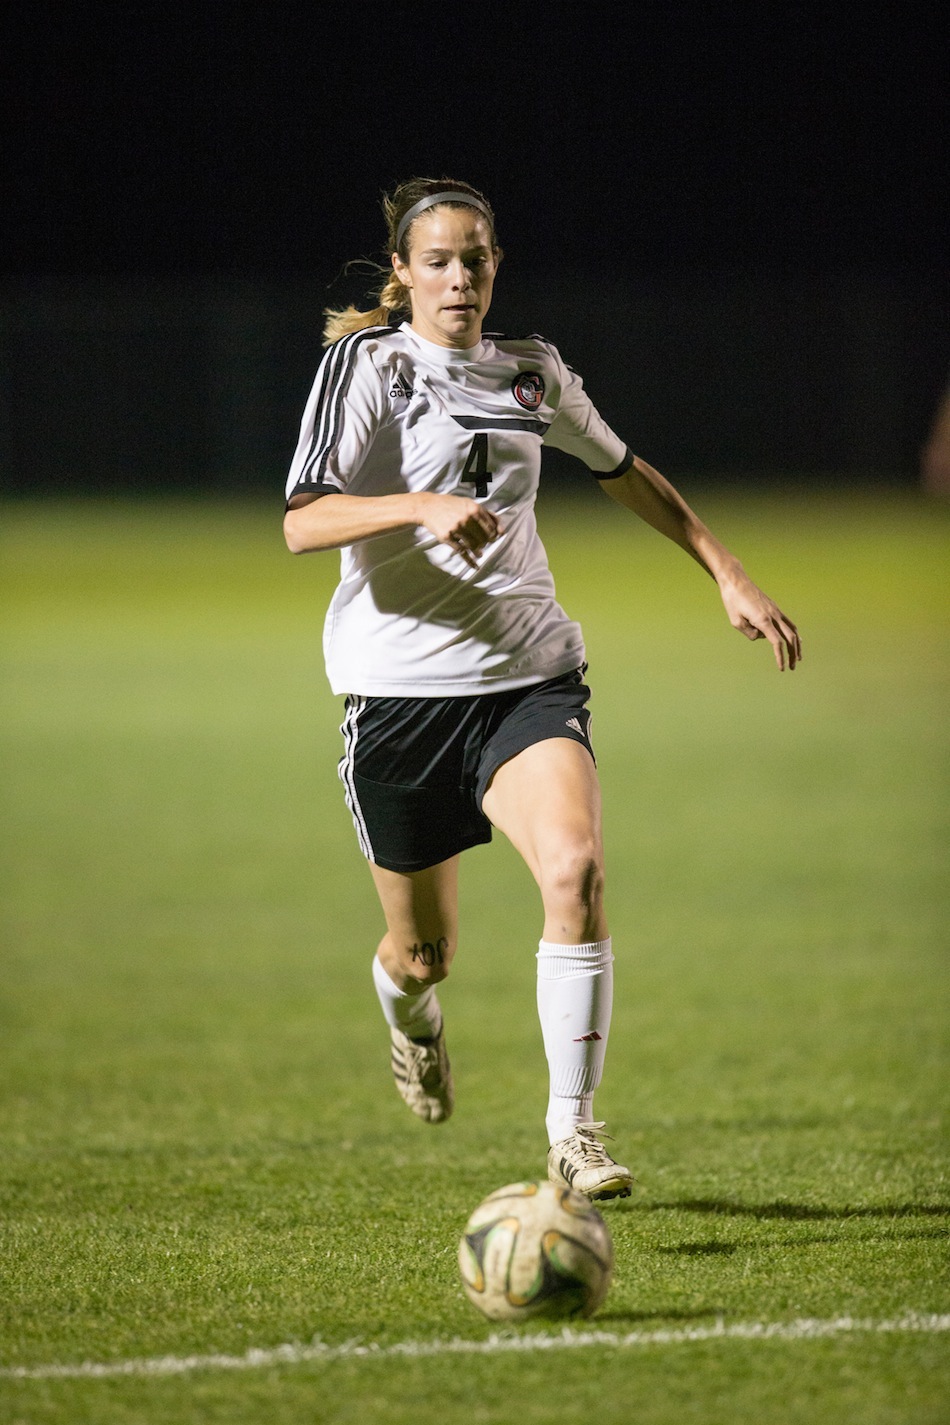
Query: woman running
[(466, 703)]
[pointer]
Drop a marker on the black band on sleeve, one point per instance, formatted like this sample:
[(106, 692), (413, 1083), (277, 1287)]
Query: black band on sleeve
[(310, 487), (621, 469)]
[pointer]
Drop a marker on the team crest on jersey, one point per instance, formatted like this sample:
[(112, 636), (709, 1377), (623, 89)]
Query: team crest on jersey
[(528, 389), (400, 389)]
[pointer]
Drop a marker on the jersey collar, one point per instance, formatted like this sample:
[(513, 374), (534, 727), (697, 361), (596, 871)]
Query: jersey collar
[(443, 355)]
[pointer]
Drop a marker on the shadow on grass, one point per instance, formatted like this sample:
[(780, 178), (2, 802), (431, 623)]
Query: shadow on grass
[(701, 1249), (790, 1211), (726, 1249)]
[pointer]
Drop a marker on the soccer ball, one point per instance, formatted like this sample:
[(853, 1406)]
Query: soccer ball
[(535, 1249)]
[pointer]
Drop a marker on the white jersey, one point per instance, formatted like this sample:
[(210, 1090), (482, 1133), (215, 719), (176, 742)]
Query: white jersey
[(391, 412)]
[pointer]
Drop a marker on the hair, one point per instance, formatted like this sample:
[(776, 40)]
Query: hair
[(393, 296)]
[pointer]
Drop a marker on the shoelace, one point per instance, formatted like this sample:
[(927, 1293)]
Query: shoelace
[(421, 1058), (588, 1136)]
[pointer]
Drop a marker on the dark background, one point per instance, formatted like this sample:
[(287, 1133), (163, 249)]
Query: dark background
[(734, 228)]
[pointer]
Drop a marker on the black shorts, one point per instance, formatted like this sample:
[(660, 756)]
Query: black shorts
[(415, 769)]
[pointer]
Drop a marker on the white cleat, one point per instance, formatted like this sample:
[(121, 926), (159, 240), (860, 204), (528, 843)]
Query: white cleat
[(423, 1075), (581, 1162)]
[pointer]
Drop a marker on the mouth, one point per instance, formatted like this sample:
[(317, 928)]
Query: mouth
[(460, 307)]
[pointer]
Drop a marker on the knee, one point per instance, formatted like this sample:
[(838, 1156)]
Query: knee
[(574, 875), (429, 960), (417, 964)]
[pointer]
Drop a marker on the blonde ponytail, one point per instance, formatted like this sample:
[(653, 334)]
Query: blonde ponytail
[(340, 321)]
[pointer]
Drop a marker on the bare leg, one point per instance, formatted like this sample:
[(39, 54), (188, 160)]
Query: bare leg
[(421, 910), (547, 802)]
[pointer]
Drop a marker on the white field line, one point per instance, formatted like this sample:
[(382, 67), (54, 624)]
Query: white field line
[(503, 1343)]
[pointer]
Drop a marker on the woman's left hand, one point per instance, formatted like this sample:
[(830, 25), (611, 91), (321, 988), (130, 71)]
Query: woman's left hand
[(757, 616)]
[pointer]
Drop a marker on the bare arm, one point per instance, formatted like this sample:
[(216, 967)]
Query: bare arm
[(645, 491), (330, 521)]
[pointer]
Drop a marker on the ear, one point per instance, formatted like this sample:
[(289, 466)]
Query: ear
[(401, 270)]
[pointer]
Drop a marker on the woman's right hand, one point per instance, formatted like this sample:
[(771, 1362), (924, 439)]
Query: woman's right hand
[(334, 520), (463, 524)]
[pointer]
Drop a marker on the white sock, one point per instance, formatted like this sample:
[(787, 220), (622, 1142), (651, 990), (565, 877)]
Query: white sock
[(419, 1016), (575, 996)]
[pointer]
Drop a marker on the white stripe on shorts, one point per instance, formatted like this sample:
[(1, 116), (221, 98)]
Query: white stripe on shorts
[(351, 732)]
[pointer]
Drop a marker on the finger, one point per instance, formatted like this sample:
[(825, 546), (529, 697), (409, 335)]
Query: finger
[(484, 527), (461, 547), (789, 634), (767, 629), (778, 641), (793, 639), (481, 533), (476, 537)]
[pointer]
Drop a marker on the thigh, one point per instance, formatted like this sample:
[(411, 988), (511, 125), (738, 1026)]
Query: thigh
[(421, 911), (547, 801)]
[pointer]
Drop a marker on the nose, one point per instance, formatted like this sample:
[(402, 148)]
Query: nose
[(461, 277)]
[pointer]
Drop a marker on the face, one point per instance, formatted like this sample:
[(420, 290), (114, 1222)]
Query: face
[(450, 275)]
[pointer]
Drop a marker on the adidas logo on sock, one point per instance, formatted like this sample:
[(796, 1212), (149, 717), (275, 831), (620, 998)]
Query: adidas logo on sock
[(586, 1038)]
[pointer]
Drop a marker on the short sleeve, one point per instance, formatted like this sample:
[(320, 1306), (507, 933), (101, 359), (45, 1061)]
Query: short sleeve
[(579, 429), (340, 420)]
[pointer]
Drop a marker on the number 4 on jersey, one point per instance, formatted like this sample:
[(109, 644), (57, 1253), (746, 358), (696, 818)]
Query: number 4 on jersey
[(476, 470)]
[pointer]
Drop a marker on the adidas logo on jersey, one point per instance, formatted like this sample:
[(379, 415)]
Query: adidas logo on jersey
[(400, 389)]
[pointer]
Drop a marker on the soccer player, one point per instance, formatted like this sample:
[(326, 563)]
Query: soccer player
[(466, 702)]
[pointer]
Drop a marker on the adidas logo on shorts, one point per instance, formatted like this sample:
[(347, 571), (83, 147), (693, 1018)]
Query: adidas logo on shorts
[(574, 723)]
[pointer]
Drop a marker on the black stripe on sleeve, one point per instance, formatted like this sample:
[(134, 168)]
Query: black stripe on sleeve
[(621, 469), (327, 369), (307, 487), (336, 370)]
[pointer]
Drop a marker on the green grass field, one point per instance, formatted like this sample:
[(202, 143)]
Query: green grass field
[(201, 1151)]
